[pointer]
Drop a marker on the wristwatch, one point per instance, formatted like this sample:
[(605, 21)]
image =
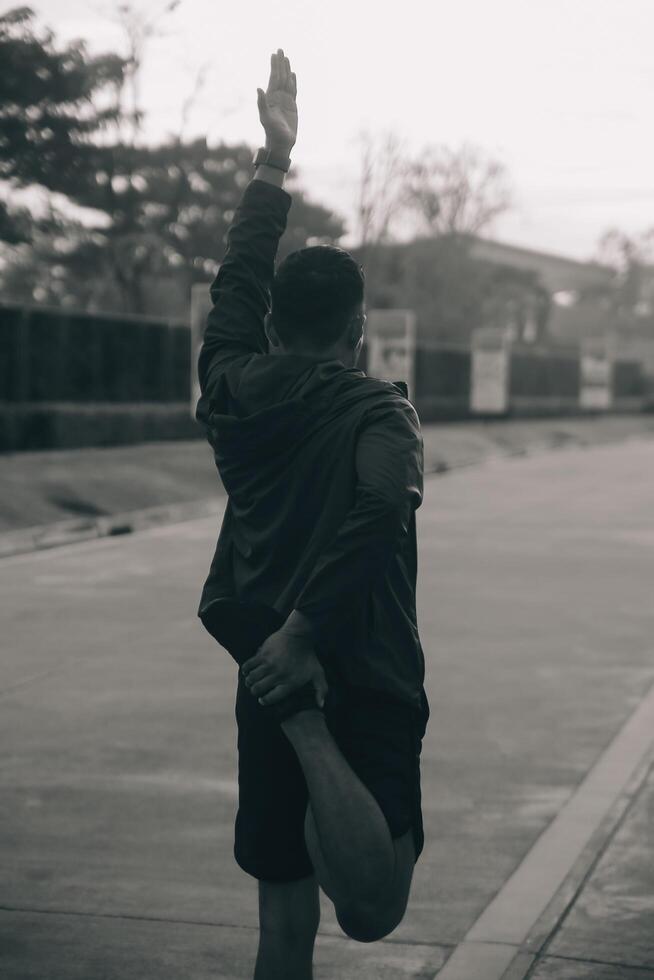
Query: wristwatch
[(272, 158)]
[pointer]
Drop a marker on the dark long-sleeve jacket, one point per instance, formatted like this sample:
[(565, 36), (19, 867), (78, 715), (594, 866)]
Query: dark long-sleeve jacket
[(323, 467)]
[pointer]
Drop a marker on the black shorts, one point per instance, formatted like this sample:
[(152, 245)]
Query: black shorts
[(381, 738)]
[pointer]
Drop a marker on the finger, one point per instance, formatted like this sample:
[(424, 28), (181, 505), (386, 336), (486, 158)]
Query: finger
[(277, 694), (258, 674), (293, 84), (263, 686), (319, 681), (261, 101), (272, 84), (251, 663), (279, 66), (321, 692), (283, 68), (287, 73)]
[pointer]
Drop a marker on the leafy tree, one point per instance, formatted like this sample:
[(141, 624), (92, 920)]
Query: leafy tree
[(15, 224), (56, 102), (51, 108), (166, 211), (156, 217)]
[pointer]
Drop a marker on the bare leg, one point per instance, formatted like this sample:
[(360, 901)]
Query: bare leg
[(357, 864), (289, 914), (361, 920)]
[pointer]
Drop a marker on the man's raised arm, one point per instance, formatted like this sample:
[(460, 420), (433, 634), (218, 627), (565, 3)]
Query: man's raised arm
[(240, 292)]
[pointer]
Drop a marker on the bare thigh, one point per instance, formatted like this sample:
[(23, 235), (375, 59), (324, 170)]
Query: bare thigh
[(397, 897), (368, 923)]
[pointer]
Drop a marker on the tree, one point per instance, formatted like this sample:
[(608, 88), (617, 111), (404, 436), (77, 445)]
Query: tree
[(631, 295), (380, 189), (170, 207), (51, 107), (15, 224), (54, 103), (155, 218), (167, 210), (456, 192)]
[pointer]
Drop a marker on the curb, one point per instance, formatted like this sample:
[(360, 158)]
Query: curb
[(44, 536)]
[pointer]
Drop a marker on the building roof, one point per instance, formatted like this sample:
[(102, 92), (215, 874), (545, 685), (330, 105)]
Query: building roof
[(558, 273)]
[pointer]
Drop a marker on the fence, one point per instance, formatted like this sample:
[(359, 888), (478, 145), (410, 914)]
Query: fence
[(77, 379), (443, 376), (81, 379), (537, 381), (543, 382)]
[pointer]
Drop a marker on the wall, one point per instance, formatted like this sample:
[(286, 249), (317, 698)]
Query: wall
[(74, 379), (78, 379)]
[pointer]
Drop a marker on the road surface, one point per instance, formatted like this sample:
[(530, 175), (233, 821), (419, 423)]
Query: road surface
[(536, 616)]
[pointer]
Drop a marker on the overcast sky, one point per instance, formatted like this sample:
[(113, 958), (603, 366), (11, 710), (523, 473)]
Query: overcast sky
[(562, 91)]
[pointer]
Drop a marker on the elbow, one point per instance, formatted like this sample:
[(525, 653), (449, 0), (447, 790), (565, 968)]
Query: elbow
[(397, 505), (396, 516)]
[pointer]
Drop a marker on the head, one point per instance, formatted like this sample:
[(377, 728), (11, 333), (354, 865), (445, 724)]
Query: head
[(318, 307)]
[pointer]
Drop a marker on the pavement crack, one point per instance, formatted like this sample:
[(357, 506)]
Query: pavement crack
[(40, 675), (590, 959), (126, 916), (123, 916)]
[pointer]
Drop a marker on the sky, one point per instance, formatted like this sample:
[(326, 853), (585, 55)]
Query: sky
[(560, 91)]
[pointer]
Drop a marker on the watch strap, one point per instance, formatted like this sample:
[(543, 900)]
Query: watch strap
[(272, 158)]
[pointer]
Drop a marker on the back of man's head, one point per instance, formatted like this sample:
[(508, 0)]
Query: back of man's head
[(315, 292)]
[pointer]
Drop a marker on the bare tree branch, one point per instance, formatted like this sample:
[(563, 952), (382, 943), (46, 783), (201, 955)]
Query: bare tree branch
[(381, 186), (456, 191), (191, 99)]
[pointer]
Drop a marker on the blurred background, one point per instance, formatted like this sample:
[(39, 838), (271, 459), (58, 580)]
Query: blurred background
[(489, 164)]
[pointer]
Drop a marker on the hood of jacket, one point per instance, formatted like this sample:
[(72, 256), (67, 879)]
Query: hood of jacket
[(259, 413)]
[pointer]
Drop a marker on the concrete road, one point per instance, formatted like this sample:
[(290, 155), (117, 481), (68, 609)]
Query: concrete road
[(536, 615)]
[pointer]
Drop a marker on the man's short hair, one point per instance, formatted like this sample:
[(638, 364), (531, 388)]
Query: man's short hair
[(314, 293)]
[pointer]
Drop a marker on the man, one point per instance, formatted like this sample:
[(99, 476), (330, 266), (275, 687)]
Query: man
[(312, 586)]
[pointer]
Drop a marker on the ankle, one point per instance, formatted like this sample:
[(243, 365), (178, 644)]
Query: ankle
[(307, 720), (283, 962)]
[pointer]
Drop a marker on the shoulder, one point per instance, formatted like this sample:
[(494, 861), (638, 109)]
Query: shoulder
[(365, 400), (392, 401)]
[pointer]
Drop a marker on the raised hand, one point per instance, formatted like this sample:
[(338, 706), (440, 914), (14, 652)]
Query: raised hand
[(277, 107)]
